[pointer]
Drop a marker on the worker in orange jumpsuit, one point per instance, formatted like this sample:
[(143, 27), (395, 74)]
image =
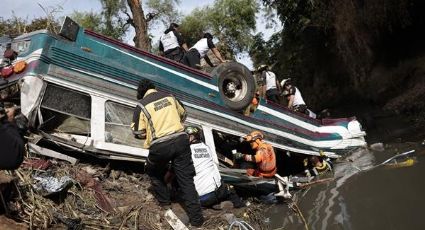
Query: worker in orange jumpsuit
[(264, 157)]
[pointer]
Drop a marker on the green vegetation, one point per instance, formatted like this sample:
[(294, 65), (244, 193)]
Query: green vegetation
[(232, 22)]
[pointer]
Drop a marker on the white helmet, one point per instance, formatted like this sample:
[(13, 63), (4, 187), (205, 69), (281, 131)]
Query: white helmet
[(285, 82)]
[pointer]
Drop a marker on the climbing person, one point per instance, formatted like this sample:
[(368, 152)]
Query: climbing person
[(264, 157), (271, 86), (208, 183), (193, 57), (159, 117), (253, 105), (293, 96), (172, 44)]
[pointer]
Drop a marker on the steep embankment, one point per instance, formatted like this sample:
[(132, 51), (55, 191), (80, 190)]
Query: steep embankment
[(367, 58)]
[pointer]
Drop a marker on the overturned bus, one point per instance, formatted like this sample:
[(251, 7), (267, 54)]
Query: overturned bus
[(78, 90)]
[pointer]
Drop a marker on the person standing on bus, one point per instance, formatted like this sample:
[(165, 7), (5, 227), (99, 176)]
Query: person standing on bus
[(172, 44), (271, 86), (200, 50)]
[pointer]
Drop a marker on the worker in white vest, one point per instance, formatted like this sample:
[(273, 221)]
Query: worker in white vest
[(172, 44), (200, 50), (294, 97), (271, 86), (207, 181)]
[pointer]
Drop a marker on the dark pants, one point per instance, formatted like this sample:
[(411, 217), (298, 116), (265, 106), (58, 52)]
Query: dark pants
[(11, 147), (301, 109), (177, 151), (273, 95), (192, 58), (175, 54), (221, 194)]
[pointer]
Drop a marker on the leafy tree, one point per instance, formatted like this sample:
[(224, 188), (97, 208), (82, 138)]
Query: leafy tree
[(231, 21), (259, 51), (333, 45), (114, 24), (43, 23), (90, 20), (194, 25), (16, 25), (109, 21), (163, 10), (12, 26)]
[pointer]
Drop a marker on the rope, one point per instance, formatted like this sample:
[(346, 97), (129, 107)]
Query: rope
[(242, 225)]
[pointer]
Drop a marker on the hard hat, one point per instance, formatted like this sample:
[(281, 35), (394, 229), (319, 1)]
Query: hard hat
[(254, 135), (285, 82)]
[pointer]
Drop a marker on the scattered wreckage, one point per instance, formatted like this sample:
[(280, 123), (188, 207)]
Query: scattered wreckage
[(78, 90)]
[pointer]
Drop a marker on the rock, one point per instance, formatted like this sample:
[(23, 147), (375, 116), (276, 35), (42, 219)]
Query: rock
[(379, 147)]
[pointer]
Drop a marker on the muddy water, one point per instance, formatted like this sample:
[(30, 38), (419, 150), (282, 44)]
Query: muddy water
[(362, 197)]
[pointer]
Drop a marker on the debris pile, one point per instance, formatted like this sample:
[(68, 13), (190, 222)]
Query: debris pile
[(56, 194)]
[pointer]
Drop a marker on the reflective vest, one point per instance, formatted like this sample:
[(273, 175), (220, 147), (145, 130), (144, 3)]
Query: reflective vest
[(202, 47), (298, 99), (265, 159), (320, 170), (207, 177), (169, 41), (270, 80), (159, 115)]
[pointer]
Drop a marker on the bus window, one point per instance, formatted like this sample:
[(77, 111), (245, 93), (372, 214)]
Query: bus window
[(66, 111), (118, 118)]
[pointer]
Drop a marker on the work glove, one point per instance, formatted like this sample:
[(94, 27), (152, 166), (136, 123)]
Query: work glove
[(237, 155)]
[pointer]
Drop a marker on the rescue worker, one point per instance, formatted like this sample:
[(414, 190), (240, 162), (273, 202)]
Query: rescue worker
[(271, 86), (200, 50), (159, 118), (253, 105), (293, 95), (172, 44), (12, 145), (264, 157), (317, 165), (208, 182)]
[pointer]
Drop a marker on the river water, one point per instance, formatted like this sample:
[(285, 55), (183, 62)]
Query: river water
[(362, 196)]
